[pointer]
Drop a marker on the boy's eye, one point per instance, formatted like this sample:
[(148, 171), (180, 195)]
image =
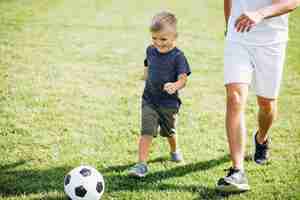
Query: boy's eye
[(163, 39), (154, 38)]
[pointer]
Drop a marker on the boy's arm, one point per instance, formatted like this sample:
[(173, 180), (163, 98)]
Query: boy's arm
[(145, 73), (171, 88), (180, 83), (279, 7), (145, 69)]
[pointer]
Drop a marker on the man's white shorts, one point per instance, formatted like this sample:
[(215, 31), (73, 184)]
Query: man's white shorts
[(260, 65)]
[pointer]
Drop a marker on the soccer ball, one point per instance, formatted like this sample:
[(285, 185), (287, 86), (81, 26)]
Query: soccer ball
[(84, 183)]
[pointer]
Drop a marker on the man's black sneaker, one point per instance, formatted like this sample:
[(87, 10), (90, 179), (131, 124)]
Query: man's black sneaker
[(261, 153), (235, 181)]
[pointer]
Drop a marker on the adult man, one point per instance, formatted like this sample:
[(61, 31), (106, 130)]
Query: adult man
[(255, 51)]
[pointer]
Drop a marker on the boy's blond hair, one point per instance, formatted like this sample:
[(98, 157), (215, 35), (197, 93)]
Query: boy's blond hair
[(163, 20)]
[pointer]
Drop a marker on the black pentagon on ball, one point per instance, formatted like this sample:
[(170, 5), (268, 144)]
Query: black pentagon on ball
[(80, 191), (99, 187), (85, 172), (67, 179)]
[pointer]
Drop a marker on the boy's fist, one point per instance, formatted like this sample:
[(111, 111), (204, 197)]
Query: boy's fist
[(170, 88)]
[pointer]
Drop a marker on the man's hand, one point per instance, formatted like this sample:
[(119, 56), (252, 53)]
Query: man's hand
[(248, 20), (170, 88), (279, 7)]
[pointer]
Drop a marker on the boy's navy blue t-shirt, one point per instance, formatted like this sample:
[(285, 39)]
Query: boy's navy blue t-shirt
[(163, 68)]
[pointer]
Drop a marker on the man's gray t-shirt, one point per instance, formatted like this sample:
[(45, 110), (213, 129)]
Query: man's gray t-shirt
[(269, 31)]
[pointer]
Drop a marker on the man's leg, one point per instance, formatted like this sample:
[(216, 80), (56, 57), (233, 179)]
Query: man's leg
[(235, 122), (266, 115), (235, 180), (268, 61), (238, 70)]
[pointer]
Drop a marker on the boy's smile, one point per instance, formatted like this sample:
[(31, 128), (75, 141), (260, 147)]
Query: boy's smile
[(164, 40)]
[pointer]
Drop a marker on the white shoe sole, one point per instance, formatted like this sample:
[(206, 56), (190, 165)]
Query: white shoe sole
[(233, 188), (134, 174)]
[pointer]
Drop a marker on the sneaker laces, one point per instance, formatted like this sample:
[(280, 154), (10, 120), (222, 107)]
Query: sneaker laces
[(262, 149)]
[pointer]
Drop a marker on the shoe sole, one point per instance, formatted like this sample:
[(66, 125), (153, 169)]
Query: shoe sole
[(177, 161), (133, 174), (233, 188)]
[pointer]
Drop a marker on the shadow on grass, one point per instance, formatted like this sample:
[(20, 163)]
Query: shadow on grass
[(122, 168), (15, 182), (117, 181)]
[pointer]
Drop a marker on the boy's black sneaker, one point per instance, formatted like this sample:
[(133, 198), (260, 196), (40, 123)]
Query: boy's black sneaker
[(261, 153), (235, 181)]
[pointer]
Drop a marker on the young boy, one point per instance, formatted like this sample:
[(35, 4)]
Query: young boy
[(166, 72)]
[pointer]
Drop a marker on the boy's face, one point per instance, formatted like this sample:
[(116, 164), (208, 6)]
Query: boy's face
[(164, 40)]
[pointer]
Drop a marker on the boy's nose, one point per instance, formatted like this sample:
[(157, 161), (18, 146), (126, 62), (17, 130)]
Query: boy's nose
[(159, 44)]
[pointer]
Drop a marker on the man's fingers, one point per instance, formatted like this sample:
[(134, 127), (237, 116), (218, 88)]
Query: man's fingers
[(240, 18), (240, 25), (246, 26), (246, 22), (248, 29), (250, 25)]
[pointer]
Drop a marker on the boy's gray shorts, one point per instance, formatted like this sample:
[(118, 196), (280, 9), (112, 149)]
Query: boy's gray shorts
[(158, 117)]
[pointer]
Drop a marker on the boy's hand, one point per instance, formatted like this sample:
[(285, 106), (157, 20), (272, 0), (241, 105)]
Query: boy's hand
[(170, 88)]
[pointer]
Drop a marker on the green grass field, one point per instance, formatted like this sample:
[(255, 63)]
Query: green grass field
[(70, 87)]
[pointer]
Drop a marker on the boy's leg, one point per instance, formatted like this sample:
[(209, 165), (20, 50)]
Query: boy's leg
[(149, 129), (144, 146), (176, 154), (140, 169), (173, 143), (168, 120)]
